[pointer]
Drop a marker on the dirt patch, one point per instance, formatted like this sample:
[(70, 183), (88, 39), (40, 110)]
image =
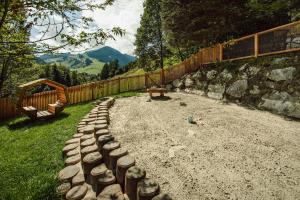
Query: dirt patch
[(230, 153)]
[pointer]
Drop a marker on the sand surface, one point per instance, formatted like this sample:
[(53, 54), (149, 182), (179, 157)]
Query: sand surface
[(231, 153)]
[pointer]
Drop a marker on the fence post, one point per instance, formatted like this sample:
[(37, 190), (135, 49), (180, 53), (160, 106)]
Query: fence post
[(256, 45), (119, 81), (146, 80), (221, 52)]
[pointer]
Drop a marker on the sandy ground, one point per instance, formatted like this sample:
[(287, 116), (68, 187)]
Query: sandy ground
[(231, 153)]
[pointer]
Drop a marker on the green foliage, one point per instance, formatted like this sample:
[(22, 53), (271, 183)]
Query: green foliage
[(110, 70), (30, 154), (150, 42)]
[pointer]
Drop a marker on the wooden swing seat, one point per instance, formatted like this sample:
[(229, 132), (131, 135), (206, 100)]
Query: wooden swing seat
[(53, 109)]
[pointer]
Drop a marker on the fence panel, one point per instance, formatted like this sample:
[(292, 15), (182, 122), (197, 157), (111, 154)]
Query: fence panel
[(239, 48), (280, 40)]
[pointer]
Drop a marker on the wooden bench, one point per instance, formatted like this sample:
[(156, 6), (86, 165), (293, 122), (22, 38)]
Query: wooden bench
[(160, 91), (30, 111), (55, 108)]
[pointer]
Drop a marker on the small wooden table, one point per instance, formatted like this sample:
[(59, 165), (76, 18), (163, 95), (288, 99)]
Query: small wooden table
[(161, 91)]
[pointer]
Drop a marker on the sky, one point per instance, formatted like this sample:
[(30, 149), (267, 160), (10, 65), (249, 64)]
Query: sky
[(125, 14)]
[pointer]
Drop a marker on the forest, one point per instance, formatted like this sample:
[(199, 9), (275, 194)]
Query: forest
[(169, 32)]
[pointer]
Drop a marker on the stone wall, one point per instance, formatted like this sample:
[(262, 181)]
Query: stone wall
[(271, 83)]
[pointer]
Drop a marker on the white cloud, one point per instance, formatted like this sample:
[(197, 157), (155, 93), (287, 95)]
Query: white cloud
[(124, 14)]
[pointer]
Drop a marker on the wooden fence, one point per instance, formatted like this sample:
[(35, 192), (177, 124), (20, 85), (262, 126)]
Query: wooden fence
[(278, 40)]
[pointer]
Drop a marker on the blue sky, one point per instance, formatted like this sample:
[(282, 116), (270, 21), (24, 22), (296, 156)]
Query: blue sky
[(124, 14)]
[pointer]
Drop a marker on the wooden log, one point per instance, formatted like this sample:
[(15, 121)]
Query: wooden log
[(91, 123), (63, 189), (98, 122), (103, 139), (100, 127), (77, 192), (162, 197), (112, 192), (73, 160), (114, 156), (82, 123), (86, 137), (107, 179), (77, 135), (147, 189), (72, 141), (93, 115), (68, 148), (101, 118), (73, 153), (89, 162), (96, 173), (89, 129), (103, 111), (123, 164), (88, 142), (101, 132), (107, 148), (106, 115), (88, 119), (66, 174), (79, 127), (133, 176), (78, 180), (88, 150)]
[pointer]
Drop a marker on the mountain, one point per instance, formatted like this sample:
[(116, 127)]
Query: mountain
[(89, 62), (107, 54)]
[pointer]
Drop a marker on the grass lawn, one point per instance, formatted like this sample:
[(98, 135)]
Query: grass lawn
[(95, 68), (30, 154)]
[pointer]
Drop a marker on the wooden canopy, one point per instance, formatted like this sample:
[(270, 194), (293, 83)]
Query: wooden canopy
[(32, 84), (53, 109)]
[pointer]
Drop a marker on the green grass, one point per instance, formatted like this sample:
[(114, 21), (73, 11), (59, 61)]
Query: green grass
[(94, 68), (30, 154)]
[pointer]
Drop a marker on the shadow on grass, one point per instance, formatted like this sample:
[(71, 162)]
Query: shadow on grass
[(32, 123)]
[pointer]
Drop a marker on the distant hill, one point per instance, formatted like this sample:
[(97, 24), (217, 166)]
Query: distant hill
[(107, 54), (90, 62)]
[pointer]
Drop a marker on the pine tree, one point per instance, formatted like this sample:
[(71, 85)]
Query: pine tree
[(56, 75), (105, 72), (150, 43)]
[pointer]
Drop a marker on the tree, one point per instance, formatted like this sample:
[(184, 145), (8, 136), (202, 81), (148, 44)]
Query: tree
[(67, 77), (56, 74), (105, 72), (74, 78), (201, 23), (150, 43)]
